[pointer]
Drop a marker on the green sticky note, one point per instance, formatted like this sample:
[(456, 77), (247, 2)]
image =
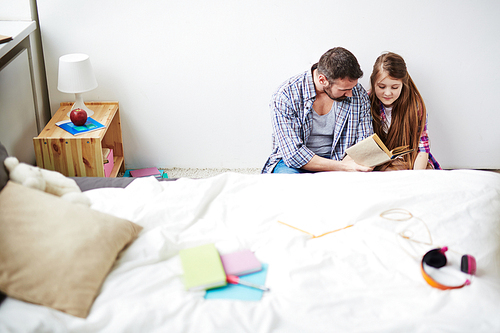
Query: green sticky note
[(202, 268)]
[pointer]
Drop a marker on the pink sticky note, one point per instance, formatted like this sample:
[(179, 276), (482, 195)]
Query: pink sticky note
[(240, 263), (145, 172)]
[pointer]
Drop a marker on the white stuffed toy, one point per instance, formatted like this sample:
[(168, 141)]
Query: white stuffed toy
[(48, 181)]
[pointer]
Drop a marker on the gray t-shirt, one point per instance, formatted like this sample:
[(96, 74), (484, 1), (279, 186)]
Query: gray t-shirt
[(321, 138)]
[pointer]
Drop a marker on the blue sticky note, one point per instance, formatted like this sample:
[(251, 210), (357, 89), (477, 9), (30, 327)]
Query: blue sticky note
[(239, 292)]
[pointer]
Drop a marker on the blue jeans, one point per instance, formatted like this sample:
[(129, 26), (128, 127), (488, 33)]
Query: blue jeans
[(282, 168)]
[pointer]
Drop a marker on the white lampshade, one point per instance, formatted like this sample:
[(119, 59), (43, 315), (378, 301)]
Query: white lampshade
[(76, 76)]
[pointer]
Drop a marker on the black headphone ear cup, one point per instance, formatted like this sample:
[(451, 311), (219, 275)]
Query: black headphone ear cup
[(435, 258)]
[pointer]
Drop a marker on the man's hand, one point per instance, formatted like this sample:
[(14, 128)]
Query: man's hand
[(349, 165), (317, 164)]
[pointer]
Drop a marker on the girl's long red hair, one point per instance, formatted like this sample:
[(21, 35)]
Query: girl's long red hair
[(408, 111)]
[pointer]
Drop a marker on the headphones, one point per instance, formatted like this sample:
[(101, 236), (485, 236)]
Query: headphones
[(437, 259)]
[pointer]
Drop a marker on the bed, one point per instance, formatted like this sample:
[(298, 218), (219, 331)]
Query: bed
[(365, 277)]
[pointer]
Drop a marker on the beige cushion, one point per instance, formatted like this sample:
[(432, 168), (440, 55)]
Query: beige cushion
[(56, 253)]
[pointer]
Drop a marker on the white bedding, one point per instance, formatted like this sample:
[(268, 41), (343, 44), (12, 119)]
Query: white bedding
[(361, 279)]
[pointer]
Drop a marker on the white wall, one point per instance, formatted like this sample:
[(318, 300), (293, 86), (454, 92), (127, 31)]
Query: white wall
[(15, 10), (194, 77)]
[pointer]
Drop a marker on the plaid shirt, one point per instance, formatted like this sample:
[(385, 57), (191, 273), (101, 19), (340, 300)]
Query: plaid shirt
[(291, 107)]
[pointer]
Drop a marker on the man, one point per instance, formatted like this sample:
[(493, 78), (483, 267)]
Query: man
[(317, 115)]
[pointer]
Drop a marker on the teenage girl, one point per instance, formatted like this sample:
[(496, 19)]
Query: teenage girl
[(399, 114)]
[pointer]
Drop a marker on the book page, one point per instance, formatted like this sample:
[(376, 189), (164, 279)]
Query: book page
[(381, 144), (399, 151), (368, 153)]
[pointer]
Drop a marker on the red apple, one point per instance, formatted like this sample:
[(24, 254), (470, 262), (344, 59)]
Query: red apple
[(78, 117)]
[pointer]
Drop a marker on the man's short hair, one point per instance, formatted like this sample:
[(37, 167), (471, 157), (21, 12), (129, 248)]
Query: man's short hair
[(339, 63)]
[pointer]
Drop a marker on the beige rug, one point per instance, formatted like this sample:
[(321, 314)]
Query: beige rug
[(205, 172)]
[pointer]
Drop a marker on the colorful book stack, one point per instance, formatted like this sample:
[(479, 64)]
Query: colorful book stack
[(205, 269), (246, 276)]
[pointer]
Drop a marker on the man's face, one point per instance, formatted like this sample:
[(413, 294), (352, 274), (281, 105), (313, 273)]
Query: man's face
[(340, 89)]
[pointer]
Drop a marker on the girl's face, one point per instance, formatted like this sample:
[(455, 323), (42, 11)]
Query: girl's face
[(388, 89)]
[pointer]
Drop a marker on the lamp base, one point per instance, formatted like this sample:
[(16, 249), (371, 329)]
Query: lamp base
[(80, 105)]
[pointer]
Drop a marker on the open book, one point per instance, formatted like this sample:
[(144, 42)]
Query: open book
[(372, 152)]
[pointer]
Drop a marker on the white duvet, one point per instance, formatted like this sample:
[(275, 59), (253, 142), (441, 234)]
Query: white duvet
[(364, 278)]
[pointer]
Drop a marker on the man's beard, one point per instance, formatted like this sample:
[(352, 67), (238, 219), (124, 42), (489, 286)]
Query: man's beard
[(337, 99)]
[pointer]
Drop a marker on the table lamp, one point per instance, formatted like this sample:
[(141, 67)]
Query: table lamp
[(76, 76)]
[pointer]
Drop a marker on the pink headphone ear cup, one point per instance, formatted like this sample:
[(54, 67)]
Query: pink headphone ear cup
[(468, 264)]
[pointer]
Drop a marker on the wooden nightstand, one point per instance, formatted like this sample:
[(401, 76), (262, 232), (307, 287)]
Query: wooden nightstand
[(81, 155)]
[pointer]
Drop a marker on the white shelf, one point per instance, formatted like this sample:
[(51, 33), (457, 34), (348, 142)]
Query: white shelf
[(18, 30)]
